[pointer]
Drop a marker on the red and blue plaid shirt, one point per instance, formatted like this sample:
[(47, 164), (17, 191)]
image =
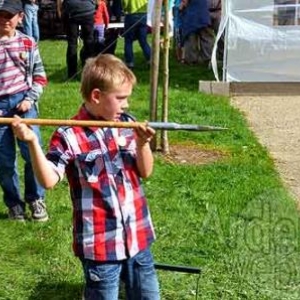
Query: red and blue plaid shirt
[(110, 212)]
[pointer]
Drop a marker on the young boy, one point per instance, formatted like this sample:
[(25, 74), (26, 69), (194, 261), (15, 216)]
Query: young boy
[(112, 230), (22, 78)]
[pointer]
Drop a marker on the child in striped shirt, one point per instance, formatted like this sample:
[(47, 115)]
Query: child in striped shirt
[(22, 78)]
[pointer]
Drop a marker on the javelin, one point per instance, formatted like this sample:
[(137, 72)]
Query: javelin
[(113, 124)]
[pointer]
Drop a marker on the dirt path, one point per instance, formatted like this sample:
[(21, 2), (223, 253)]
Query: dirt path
[(276, 123)]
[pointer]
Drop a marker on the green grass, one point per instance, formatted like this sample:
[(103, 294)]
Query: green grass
[(232, 218)]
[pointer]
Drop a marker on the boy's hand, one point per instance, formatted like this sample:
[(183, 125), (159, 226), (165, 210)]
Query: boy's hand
[(24, 105), (22, 131), (144, 135)]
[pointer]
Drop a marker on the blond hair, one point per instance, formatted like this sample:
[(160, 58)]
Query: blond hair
[(105, 72)]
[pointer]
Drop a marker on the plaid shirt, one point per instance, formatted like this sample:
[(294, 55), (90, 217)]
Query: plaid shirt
[(110, 213)]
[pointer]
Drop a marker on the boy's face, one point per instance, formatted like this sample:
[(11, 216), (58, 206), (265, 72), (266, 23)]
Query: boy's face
[(111, 105), (9, 22)]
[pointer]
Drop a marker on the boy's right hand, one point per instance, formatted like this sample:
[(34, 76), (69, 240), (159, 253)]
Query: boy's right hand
[(22, 131)]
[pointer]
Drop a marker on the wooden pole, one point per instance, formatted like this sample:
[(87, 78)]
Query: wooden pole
[(79, 123), (154, 70), (165, 102), (112, 124)]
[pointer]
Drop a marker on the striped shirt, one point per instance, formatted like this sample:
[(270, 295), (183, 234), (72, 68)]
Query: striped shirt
[(111, 218), (21, 67)]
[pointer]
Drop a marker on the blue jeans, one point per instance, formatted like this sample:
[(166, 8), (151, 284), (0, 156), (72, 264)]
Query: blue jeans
[(138, 274), (30, 21), (135, 26), (9, 179), (116, 9)]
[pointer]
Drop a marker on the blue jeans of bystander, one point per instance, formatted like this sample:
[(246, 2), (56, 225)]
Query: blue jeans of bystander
[(30, 21), (9, 179), (137, 273), (135, 27)]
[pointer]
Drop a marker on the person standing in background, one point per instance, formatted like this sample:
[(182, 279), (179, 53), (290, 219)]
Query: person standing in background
[(285, 12), (75, 14), (30, 20), (135, 28), (101, 20), (113, 32), (116, 9), (178, 41), (215, 12), (197, 34)]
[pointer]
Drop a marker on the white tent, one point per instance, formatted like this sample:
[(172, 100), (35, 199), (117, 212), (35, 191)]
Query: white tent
[(262, 41)]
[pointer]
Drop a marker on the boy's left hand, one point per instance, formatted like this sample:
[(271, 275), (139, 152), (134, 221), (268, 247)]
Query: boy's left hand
[(144, 134)]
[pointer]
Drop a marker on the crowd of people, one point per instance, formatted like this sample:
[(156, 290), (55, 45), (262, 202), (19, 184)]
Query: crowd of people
[(196, 24), (100, 38)]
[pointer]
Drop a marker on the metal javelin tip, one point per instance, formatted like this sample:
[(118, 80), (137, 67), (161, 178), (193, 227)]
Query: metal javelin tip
[(188, 127)]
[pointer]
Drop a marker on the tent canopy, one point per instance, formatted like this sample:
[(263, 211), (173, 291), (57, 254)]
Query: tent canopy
[(262, 40)]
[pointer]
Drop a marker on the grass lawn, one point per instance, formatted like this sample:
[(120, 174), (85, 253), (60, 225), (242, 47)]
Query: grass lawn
[(232, 218)]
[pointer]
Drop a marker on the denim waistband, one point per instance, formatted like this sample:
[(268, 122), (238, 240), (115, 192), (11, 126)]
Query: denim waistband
[(4, 97), (11, 101)]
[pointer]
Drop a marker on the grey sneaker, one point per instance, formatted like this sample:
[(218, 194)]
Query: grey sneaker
[(38, 210), (16, 213)]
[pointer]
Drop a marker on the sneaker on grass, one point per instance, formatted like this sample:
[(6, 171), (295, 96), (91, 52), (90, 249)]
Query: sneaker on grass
[(38, 210), (16, 213)]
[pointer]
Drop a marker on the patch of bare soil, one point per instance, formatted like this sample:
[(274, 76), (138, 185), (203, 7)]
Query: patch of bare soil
[(275, 120), (192, 155)]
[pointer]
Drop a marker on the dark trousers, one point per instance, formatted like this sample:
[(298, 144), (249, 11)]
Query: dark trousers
[(116, 9), (110, 43), (86, 33)]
